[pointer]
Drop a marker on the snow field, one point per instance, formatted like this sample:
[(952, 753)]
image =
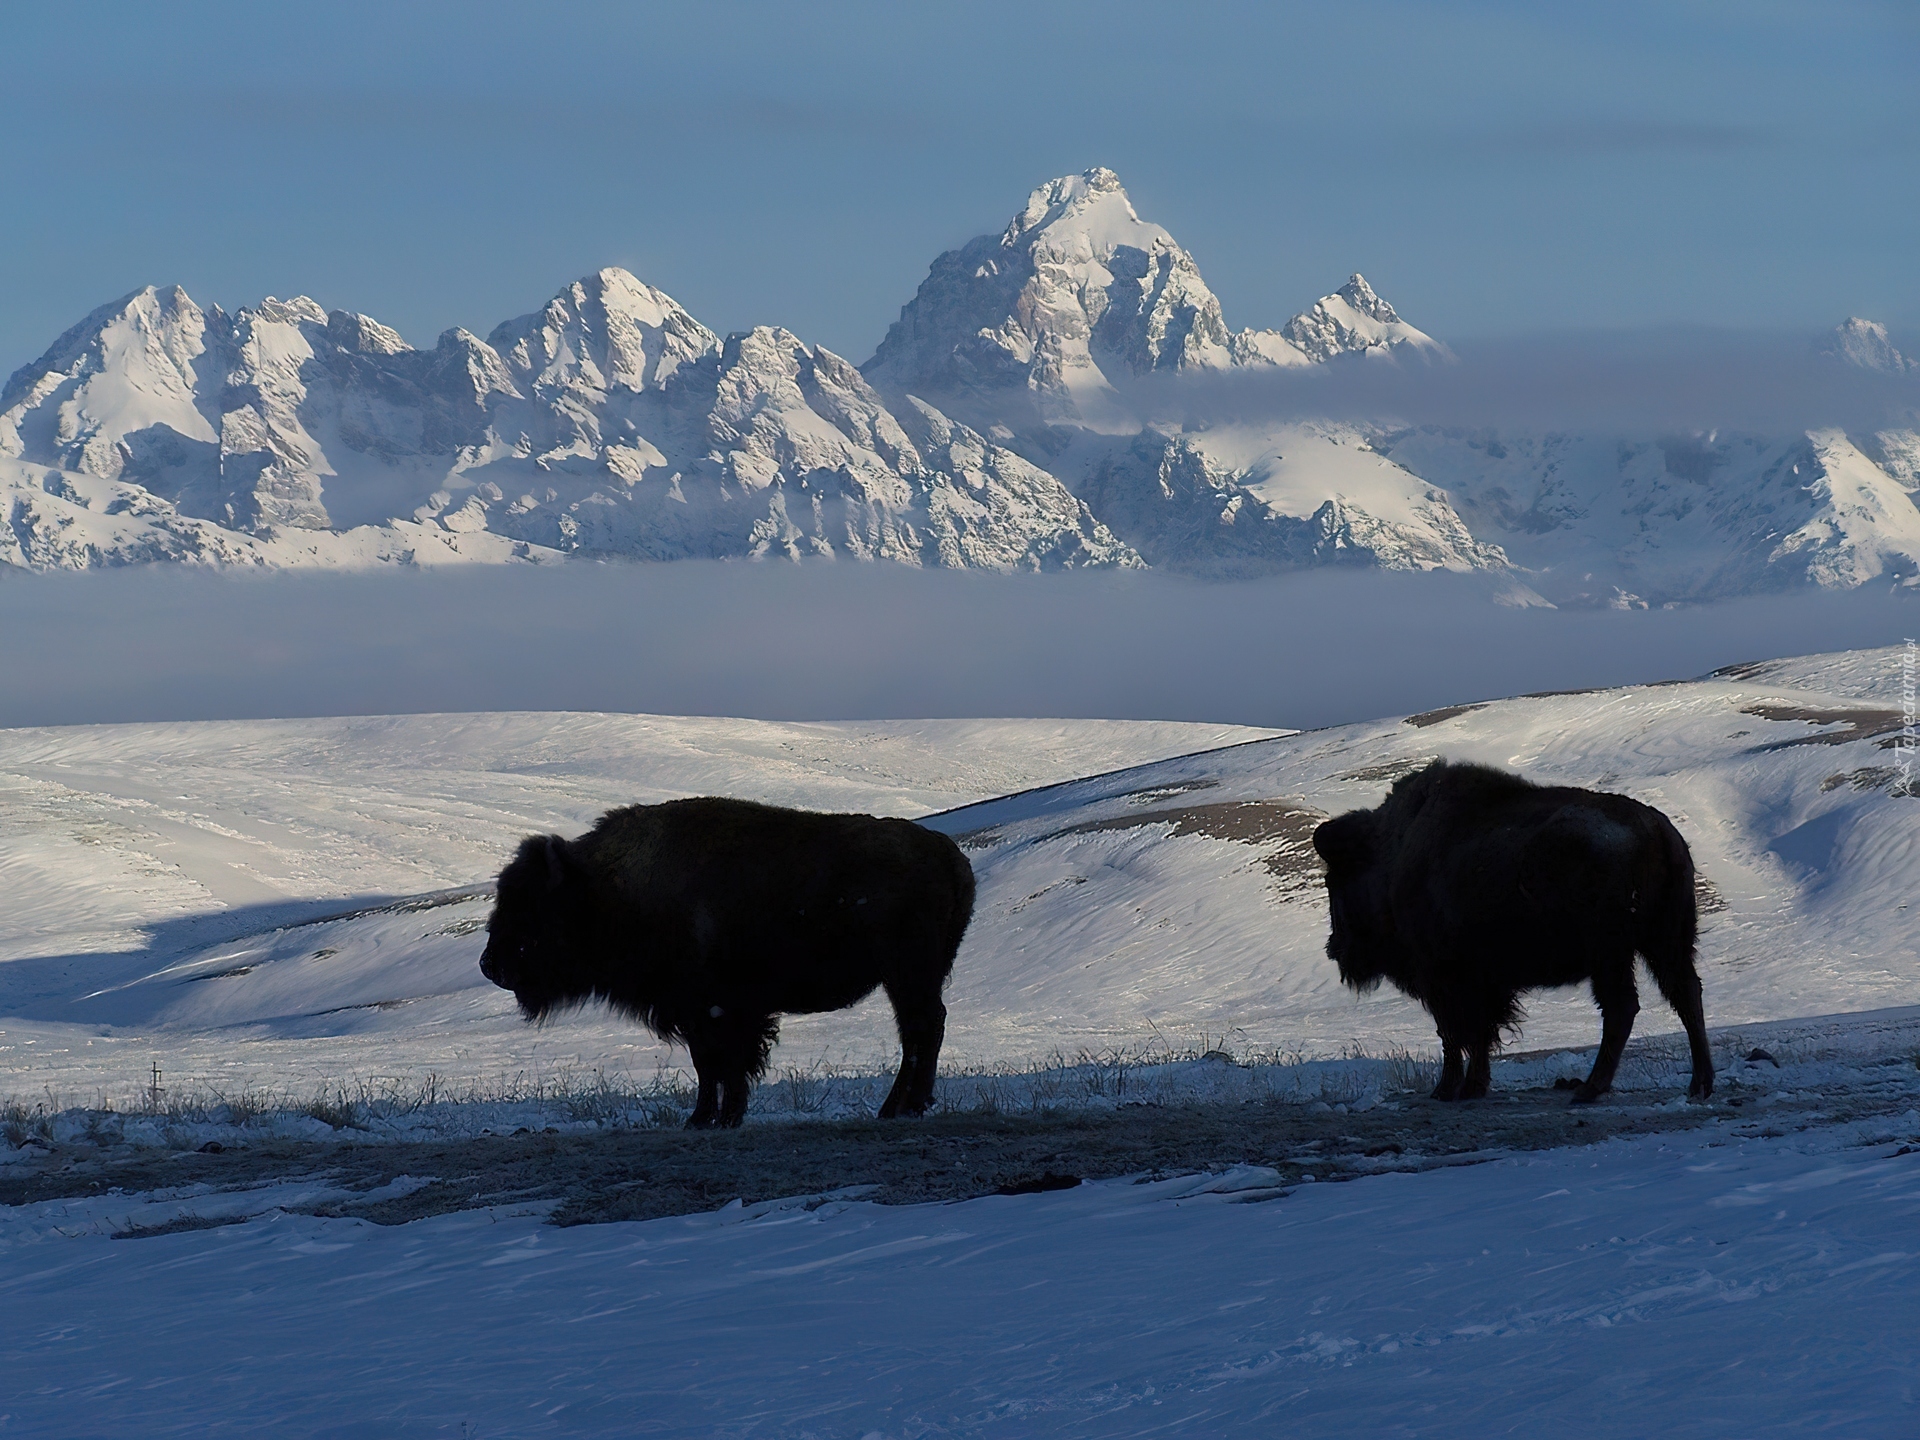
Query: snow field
[(1700, 1283)]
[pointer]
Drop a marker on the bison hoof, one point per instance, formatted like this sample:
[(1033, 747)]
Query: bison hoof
[(1585, 1094), (703, 1122), (1700, 1090)]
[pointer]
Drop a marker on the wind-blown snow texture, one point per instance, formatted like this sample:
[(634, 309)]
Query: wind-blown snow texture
[(1007, 421), (1705, 1284)]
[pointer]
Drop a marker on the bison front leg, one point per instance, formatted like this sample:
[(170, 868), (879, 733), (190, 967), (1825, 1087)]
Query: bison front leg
[(739, 1046), (1619, 1001), (1479, 1076), (706, 1105), (729, 1053), (1451, 1073)]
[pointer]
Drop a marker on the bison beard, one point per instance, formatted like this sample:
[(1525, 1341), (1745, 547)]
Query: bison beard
[(708, 919), (1468, 886)]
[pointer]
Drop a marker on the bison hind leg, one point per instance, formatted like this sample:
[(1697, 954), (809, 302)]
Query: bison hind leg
[(922, 1020), (1619, 1000), (1674, 973)]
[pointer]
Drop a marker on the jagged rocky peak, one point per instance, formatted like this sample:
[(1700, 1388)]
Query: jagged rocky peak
[(1864, 343), (128, 366), (1078, 291), (1360, 297), (608, 330), (1354, 320), (301, 309), (363, 334), (1074, 286), (1087, 215)]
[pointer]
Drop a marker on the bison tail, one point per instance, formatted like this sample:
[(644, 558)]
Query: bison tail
[(963, 888), (1671, 926), (1669, 916)]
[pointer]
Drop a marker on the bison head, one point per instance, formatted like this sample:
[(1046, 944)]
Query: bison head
[(1360, 941), (533, 936)]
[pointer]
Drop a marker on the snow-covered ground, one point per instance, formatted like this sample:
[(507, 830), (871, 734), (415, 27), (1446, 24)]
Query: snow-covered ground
[(1709, 1283)]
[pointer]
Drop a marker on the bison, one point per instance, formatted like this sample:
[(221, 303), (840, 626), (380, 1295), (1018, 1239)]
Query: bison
[(706, 920), (1467, 886)]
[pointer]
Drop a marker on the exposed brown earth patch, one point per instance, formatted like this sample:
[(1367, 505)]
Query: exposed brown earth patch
[(1283, 830), (1868, 777), (988, 835), (1864, 723), (1250, 822), (1391, 771), (1434, 717)]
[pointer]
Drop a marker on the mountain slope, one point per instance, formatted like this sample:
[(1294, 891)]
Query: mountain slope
[(608, 423), (1606, 519)]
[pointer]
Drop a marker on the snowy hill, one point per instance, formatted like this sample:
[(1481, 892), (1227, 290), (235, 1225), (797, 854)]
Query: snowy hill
[(179, 879), (1024, 413)]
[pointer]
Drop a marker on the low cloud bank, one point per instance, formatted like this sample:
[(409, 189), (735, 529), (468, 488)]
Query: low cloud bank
[(778, 641), (1626, 383)]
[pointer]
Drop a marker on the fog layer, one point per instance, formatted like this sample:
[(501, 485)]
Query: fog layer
[(777, 641), (1632, 383)]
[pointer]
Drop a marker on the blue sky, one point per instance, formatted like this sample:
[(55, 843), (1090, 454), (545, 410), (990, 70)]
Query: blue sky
[(1495, 169)]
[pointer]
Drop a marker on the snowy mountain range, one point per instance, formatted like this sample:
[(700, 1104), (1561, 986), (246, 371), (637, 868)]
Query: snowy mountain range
[(1003, 423)]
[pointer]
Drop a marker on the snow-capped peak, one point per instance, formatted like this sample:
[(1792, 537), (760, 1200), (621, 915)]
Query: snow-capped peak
[(1076, 286), (1078, 290), (607, 330), (1360, 296), (127, 367), (1354, 320), (363, 334), (1087, 214), (1864, 343)]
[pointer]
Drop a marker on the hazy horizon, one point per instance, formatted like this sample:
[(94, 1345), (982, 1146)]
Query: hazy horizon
[(777, 641)]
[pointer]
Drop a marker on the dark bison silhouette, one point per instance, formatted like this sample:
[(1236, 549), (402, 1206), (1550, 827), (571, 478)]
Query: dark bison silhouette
[(1467, 886), (707, 919)]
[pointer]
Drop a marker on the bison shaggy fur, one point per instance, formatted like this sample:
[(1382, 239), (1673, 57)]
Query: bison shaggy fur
[(1468, 886), (708, 919)]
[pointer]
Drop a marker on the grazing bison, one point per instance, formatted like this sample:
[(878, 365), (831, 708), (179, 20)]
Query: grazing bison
[(706, 920), (1468, 886)]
